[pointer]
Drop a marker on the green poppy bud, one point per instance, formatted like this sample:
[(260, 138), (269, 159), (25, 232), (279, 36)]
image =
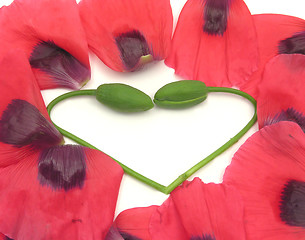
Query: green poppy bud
[(123, 98), (181, 94)]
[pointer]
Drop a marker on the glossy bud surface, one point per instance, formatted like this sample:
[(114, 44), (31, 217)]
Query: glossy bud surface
[(181, 94), (123, 98)]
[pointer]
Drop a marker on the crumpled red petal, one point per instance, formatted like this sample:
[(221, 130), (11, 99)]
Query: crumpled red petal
[(271, 29), (226, 60), (105, 20), (31, 211), (259, 170), (282, 87), (26, 23)]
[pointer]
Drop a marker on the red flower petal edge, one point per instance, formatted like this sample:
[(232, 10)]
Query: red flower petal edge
[(200, 211), (282, 89), (39, 28), (124, 33), (226, 57), (264, 171), (132, 224), (271, 30)]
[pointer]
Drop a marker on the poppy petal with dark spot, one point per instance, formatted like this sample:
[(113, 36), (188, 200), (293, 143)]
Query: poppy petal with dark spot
[(26, 23), (24, 118), (293, 44), (281, 88), (64, 69), (62, 167), (262, 171), (107, 21), (271, 29), (133, 46), (214, 42), (21, 124), (287, 115), (292, 205), (29, 210)]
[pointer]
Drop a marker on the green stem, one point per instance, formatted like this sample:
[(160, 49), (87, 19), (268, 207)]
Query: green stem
[(189, 172), (89, 92), (82, 142), (224, 147)]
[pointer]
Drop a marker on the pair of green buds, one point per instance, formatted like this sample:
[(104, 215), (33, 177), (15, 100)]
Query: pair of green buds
[(175, 95)]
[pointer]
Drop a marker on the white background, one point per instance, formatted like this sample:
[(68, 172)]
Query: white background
[(160, 144)]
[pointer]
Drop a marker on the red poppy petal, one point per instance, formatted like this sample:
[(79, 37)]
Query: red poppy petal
[(217, 60), (29, 210), (166, 223), (281, 87), (22, 124), (199, 209), (135, 222), (105, 20), (271, 29), (19, 83), (260, 169), (26, 23)]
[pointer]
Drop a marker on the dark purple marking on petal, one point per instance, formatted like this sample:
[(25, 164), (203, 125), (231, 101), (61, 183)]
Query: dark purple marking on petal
[(215, 15), (294, 44), (292, 205), (60, 65), (132, 46), (76, 220), (7, 238), (288, 115), (116, 234), (22, 125), (62, 167), (203, 237), (127, 236)]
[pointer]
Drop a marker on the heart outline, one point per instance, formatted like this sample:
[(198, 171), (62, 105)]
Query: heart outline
[(184, 176)]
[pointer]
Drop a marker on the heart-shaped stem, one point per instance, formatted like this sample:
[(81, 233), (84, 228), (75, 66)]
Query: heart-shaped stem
[(183, 176)]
